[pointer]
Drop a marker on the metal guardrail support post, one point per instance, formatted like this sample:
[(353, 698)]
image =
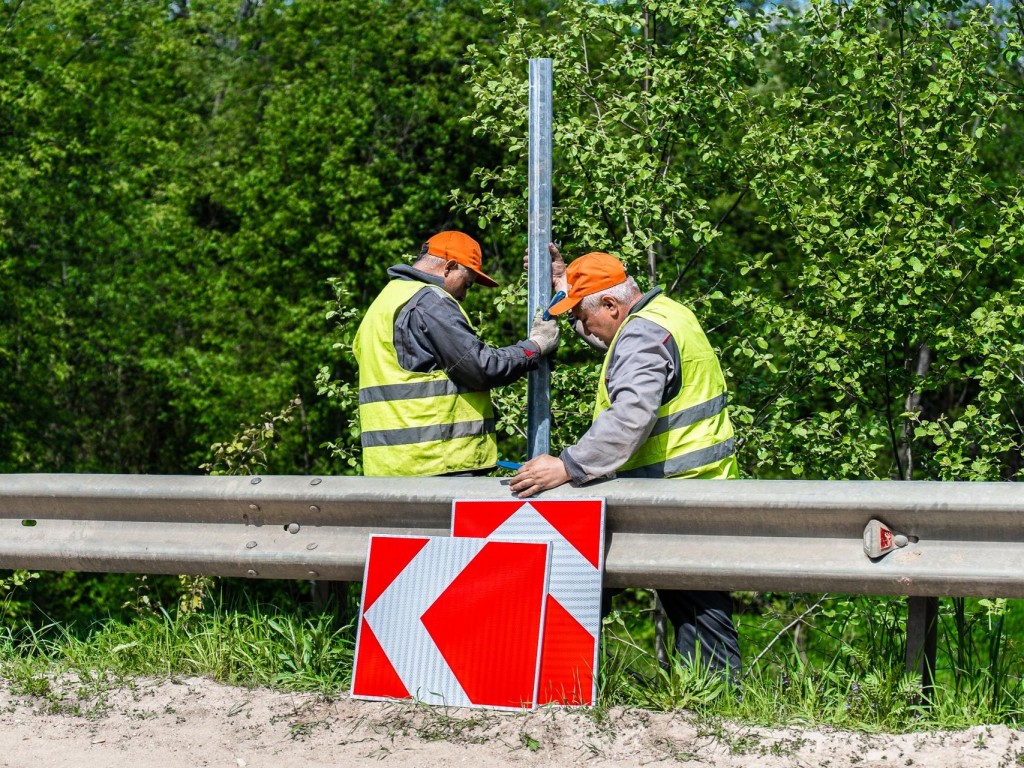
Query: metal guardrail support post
[(922, 640)]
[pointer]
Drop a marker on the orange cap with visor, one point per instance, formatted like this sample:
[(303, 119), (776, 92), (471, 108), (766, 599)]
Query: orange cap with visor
[(587, 275), (462, 249)]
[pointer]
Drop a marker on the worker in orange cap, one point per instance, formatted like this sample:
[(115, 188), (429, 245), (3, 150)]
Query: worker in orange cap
[(424, 374), (660, 413)]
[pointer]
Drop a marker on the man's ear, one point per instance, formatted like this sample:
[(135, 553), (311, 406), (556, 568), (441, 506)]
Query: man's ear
[(611, 304), (451, 266)]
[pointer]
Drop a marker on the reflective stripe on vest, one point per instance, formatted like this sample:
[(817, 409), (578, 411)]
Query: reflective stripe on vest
[(415, 423), (409, 391), (412, 435), (693, 436), (702, 457)]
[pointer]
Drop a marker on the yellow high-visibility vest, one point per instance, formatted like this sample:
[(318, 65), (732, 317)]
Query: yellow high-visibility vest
[(693, 436), (415, 423)]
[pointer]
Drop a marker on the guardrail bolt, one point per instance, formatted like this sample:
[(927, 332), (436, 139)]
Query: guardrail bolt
[(250, 545), (251, 572), (254, 507), (312, 574), (256, 480), (292, 528), (314, 508), (311, 546), (315, 481)]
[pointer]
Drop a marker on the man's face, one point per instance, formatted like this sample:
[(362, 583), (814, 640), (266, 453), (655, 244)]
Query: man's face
[(457, 280), (602, 321)]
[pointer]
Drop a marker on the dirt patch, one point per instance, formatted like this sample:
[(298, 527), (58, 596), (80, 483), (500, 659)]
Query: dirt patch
[(196, 722)]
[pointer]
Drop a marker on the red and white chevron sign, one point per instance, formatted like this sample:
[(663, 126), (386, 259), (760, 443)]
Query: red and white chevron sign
[(575, 528), (451, 621)]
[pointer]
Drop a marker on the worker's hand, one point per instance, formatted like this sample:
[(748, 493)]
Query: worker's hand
[(538, 474), (558, 281), (544, 333)]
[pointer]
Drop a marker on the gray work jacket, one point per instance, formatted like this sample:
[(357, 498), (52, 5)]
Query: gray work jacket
[(431, 333), (643, 374)]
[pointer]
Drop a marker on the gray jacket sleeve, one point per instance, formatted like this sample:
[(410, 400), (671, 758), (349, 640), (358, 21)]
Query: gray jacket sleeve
[(431, 333), (643, 368)]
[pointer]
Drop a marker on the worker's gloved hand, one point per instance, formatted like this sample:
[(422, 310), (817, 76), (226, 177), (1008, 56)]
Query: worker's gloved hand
[(544, 334)]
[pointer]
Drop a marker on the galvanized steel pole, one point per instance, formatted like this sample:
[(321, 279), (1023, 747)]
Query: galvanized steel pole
[(539, 235)]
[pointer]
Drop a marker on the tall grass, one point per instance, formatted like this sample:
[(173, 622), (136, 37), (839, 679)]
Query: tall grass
[(254, 646), (810, 660), (835, 660)]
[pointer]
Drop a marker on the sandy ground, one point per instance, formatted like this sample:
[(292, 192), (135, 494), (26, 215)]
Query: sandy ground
[(195, 722)]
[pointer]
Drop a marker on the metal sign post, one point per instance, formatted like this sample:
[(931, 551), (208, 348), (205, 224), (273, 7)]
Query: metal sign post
[(538, 398)]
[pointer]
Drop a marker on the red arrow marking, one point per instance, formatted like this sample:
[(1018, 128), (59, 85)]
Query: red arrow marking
[(566, 676), (389, 555), (578, 521), (479, 519), (487, 623), (374, 674)]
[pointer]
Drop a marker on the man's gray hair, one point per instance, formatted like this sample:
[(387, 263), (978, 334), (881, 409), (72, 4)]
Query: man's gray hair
[(624, 293), (429, 261)]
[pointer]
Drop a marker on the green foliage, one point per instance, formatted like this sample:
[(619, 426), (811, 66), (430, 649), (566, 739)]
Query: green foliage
[(824, 178), (111, 325), (176, 186), (851, 651), (246, 452), (13, 611), (315, 654), (343, 394), (861, 330), (830, 659), (637, 90), (78, 600), (808, 660), (981, 641)]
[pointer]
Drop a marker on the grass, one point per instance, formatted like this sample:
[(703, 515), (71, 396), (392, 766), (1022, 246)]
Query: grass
[(814, 661), (255, 647), (831, 660)]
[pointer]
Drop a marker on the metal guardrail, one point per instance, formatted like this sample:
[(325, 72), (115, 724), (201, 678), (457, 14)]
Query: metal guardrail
[(965, 539)]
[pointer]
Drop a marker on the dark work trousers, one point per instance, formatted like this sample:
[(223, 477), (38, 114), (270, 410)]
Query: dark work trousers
[(702, 616)]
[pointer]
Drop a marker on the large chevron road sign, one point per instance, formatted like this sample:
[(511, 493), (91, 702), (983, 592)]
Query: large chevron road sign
[(453, 621)]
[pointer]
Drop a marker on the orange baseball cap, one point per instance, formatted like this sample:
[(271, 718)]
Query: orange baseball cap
[(588, 275), (461, 249)]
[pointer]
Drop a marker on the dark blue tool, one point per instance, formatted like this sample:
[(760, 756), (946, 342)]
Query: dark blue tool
[(554, 300)]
